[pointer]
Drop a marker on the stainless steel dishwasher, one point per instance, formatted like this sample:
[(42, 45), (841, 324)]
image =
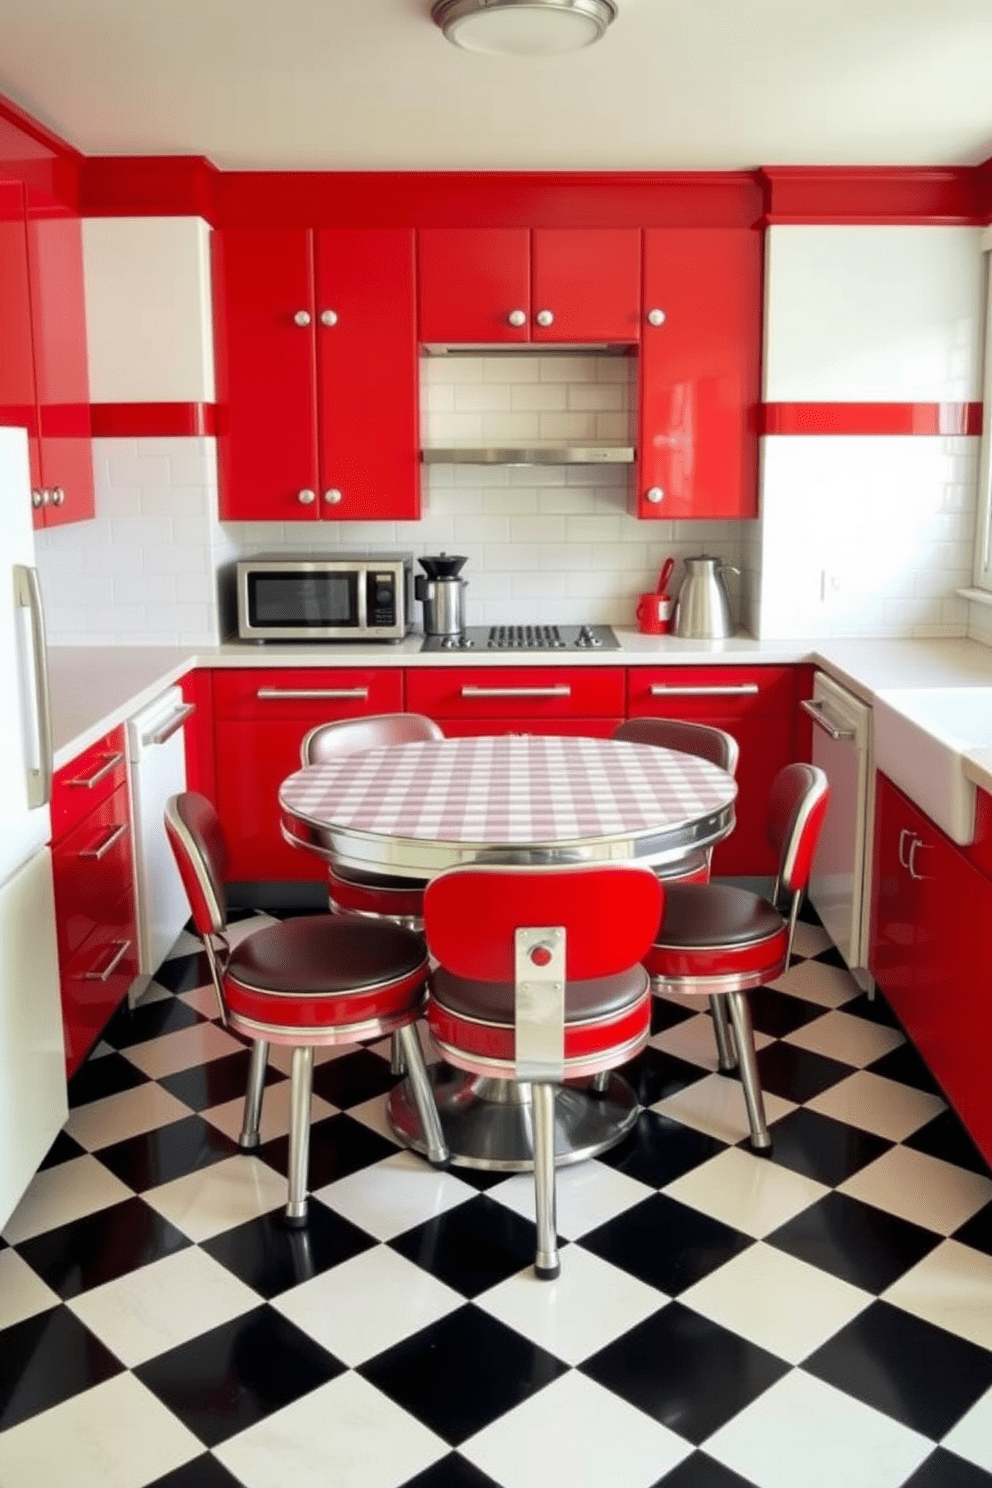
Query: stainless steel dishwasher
[(156, 752), (840, 885)]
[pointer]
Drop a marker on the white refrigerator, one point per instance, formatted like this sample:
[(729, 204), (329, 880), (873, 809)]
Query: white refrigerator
[(32, 1060)]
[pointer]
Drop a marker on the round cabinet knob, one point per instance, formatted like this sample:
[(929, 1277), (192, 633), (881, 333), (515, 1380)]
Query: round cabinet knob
[(307, 498), (329, 317), (39, 498), (545, 317), (517, 318), (302, 317), (656, 495), (333, 496), (58, 496), (656, 317)]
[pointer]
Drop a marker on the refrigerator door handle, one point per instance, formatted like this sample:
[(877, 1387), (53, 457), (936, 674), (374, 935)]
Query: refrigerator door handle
[(27, 593)]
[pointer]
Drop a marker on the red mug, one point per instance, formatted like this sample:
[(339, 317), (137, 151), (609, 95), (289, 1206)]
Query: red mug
[(654, 613)]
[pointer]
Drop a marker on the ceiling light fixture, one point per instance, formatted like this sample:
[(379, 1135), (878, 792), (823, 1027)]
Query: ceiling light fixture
[(523, 28)]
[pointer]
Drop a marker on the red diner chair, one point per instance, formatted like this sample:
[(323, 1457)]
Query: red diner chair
[(722, 750), (305, 983), (539, 980), (719, 941), (381, 894)]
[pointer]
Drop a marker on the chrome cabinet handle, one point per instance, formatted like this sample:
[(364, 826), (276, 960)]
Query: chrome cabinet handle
[(27, 596), (903, 862), (171, 726), (87, 782), (328, 317), (735, 689), (123, 946), (814, 709), (561, 690), (58, 496), (916, 843), (40, 497), (545, 317), (307, 498), (267, 694), (517, 317), (656, 317), (96, 853), (655, 495), (333, 496), (302, 318)]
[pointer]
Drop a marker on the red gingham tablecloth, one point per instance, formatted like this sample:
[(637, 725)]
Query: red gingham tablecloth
[(511, 789)]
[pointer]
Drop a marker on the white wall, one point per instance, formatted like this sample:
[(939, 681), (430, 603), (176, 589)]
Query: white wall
[(868, 535)]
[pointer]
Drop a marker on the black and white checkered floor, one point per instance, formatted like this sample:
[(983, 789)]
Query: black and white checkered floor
[(823, 1318)]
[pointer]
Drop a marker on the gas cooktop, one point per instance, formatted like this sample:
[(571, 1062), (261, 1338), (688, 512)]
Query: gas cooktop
[(526, 638)]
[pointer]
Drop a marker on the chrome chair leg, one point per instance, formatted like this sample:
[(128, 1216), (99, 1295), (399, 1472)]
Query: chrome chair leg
[(252, 1115), (301, 1084), (726, 1053), (423, 1096), (740, 1017), (546, 1263), (397, 1064)]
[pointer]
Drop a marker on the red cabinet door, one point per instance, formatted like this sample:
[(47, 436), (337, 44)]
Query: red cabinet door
[(756, 706), (266, 379), (896, 901), (368, 411), (588, 281), (58, 318), (18, 396), (472, 281), (699, 373)]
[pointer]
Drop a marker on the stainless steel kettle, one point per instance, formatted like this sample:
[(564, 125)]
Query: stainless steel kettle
[(703, 609)]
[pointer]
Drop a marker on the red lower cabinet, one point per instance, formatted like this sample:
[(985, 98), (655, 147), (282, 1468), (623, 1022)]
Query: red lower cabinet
[(931, 909), (757, 706), (94, 892), (260, 718)]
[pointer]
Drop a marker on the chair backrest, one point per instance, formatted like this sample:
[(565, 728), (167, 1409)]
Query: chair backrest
[(708, 743), (331, 741), (797, 806), (610, 916), (197, 839)]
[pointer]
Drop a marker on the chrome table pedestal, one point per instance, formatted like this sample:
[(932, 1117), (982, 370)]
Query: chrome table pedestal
[(489, 1123)]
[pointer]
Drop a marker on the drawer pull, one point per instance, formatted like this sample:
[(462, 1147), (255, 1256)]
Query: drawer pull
[(562, 689), (114, 835), (123, 946), (171, 726), (267, 694), (730, 689), (916, 843), (814, 709), (87, 782)]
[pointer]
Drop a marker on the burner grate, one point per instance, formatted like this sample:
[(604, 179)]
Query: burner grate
[(527, 638)]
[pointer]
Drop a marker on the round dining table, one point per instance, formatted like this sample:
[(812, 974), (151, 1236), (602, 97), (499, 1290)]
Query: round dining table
[(414, 810)]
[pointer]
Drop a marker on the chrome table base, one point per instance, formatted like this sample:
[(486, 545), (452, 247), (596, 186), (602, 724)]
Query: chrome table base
[(489, 1123)]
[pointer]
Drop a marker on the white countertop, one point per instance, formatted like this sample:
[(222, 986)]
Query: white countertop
[(94, 688)]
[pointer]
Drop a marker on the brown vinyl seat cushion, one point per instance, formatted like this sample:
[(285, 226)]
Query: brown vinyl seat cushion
[(325, 955), (710, 915), (493, 1002)]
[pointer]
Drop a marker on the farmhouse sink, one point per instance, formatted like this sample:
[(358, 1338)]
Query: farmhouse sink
[(922, 736)]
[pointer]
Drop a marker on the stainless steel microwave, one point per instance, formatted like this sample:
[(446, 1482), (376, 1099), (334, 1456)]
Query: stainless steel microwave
[(349, 597)]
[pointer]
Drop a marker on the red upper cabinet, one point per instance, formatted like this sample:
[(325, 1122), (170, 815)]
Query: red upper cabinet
[(267, 426), (316, 374), (493, 285), (58, 320), (700, 368), (44, 382), (368, 408)]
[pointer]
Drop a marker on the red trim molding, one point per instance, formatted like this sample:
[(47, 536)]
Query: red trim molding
[(875, 195), (871, 418), (153, 420)]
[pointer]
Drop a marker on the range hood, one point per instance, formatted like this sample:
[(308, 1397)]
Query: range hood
[(558, 454)]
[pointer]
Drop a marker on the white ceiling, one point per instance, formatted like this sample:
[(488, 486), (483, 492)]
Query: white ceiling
[(372, 84)]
